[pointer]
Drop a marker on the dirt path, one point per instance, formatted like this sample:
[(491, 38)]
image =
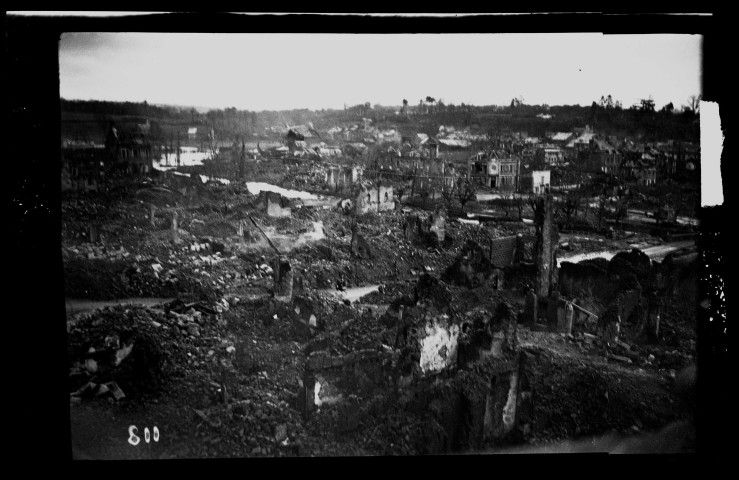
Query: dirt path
[(77, 306)]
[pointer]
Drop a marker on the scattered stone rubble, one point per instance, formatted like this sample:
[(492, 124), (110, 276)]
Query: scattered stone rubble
[(439, 357)]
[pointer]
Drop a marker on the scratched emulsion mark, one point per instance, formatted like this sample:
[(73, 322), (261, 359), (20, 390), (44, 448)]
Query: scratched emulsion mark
[(712, 143)]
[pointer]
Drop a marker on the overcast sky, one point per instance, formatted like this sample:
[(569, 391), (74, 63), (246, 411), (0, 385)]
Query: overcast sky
[(285, 71)]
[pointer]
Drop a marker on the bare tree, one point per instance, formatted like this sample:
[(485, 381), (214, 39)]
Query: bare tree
[(507, 202), (448, 194), (621, 210), (212, 148), (569, 207), (601, 210), (430, 100), (400, 191), (694, 103), (466, 191), (519, 202), (647, 104), (537, 206)]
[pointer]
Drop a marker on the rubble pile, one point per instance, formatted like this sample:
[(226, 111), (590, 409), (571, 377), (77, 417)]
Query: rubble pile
[(471, 268), (93, 251), (318, 330)]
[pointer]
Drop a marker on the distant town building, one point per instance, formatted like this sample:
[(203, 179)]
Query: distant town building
[(562, 138), (599, 156), (451, 144), (642, 170), (430, 147), (297, 137), (132, 151), (144, 128), (509, 174), (484, 168), (553, 155), (535, 181), (579, 144), (355, 149), (83, 167)]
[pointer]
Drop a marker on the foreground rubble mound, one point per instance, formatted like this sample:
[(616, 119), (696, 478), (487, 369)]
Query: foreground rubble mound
[(139, 348)]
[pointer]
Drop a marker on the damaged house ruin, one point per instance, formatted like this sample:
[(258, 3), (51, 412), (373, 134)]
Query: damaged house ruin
[(129, 151), (340, 178), (461, 374), (379, 198)]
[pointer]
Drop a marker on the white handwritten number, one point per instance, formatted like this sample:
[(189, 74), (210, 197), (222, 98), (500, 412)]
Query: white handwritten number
[(132, 438)]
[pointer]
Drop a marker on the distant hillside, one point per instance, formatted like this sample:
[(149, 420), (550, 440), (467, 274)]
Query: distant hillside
[(184, 107), (86, 120)]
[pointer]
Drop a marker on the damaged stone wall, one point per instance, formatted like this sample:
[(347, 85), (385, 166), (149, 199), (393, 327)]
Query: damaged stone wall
[(340, 177), (506, 251), (471, 268), (283, 279), (477, 407), (437, 223), (276, 205), (331, 380), (461, 372), (624, 292), (430, 230), (375, 199), (438, 343)]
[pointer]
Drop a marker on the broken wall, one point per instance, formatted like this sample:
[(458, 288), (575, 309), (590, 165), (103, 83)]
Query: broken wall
[(375, 199), (331, 380), (476, 407), (276, 205), (471, 268), (342, 177), (506, 251), (283, 279), (437, 223), (438, 343)]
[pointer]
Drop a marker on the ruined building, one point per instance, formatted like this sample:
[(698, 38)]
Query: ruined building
[(130, 152), (342, 177), (374, 199), (462, 374)]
